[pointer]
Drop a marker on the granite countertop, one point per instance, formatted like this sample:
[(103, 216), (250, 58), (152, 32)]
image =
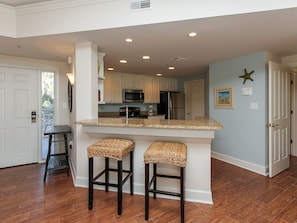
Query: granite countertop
[(201, 123)]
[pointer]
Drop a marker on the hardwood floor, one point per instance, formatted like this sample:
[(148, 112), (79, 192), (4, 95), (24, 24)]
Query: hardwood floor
[(239, 196)]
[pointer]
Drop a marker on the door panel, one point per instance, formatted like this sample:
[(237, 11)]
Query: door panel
[(194, 99), (18, 98), (279, 118)]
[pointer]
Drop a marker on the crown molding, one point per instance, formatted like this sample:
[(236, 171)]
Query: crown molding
[(52, 5), (7, 9)]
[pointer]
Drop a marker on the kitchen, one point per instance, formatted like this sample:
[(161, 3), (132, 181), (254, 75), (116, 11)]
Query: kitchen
[(146, 99), (88, 128), (86, 105)]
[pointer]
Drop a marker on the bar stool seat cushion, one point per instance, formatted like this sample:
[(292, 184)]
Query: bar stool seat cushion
[(174, 153), (115, 148)]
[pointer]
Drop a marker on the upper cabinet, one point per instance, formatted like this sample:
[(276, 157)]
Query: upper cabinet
[(132, 81), (113, 88), (168, 84), (112, 84), (151, 90)]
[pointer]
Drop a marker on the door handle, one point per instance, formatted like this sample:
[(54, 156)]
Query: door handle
[(33, 116), (272, 125)]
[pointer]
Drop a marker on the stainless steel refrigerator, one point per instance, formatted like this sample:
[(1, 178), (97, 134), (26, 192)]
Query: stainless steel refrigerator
[(172, 104)]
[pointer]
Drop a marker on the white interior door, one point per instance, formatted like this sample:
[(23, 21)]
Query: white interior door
[(194, 99), (18, 134), (279, 119)]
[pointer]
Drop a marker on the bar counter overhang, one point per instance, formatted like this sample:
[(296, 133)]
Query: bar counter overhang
[(196, 134)]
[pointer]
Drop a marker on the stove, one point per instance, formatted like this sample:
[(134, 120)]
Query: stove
[(133, 112)]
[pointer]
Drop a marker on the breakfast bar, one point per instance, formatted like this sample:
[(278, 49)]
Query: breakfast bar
[(196, 134)]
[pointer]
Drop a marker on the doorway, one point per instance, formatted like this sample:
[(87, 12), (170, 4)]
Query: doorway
[(194, 99), (293, 113), (47, 107), (19, 124)]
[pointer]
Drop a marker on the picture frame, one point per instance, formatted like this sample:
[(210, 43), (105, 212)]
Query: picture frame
[(224, 97), (69, 96)]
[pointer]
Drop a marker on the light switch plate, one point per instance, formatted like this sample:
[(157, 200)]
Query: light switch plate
[(247, 91), (254, 105)]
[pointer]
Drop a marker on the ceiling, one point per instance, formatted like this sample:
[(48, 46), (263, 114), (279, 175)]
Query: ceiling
[(168, 44)]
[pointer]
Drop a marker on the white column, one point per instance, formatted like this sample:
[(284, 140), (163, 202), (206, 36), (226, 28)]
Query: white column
[(85, 101)]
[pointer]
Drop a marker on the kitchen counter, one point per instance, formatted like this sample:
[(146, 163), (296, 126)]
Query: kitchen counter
[(198, 124), (196, 134)]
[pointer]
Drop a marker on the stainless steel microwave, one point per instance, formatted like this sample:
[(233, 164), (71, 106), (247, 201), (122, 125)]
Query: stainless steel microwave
[(133, 96)]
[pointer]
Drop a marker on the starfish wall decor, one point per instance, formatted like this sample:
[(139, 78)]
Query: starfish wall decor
[(247, 76)]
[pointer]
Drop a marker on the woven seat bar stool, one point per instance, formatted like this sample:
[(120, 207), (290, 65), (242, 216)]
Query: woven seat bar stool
[(173, 153), (115, 148)]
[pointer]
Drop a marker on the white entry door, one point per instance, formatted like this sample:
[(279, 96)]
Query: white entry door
[(279, 119), (194, 99), (18, 132)]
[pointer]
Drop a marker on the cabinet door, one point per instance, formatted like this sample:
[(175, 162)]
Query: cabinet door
[(132, 82), (127, 81), (168, 84), (156, 90), (138, 82), (151, 90), (113, 89)]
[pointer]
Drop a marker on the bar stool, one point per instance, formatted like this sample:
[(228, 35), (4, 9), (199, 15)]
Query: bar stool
[(173, 153), (114, 148)]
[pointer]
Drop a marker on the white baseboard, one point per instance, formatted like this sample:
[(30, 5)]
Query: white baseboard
[(263, 170), (191, 195)]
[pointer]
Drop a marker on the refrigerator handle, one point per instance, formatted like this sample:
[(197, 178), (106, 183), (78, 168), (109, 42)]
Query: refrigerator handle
[(169, 105)]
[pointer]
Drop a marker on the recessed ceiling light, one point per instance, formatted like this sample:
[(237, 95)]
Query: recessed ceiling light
[(171, 68), (129, 40), (110, 68), (146, 57), (123, 61), (192, 34), (159, 75)]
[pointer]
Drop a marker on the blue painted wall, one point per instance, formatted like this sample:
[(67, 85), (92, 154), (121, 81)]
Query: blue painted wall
[(244, 134)]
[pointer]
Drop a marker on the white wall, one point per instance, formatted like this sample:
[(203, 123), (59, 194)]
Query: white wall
[(66, 16)]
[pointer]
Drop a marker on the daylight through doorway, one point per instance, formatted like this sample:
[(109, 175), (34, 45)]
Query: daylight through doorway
[(47, 107)]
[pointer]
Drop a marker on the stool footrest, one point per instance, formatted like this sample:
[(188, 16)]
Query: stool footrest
[(168, 176), (165, 192), (111, 184)]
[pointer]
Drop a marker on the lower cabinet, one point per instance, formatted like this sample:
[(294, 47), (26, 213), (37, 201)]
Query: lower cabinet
[(157, 117)]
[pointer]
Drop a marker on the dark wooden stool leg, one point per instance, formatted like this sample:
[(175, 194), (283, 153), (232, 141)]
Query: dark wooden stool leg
[(91, 183), (147, 203), (66, 153), (132, 175), (120, 186), (155, 178), (182, 195), (106, 174), (48, 156)]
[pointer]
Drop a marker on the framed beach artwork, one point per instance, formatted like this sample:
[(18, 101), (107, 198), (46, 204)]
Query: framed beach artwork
[(224, 97)]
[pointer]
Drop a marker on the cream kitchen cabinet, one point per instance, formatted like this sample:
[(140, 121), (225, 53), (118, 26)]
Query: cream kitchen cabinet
[(168, 84), (132, 82), (157, 117), (113, 88), (151, 90)]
